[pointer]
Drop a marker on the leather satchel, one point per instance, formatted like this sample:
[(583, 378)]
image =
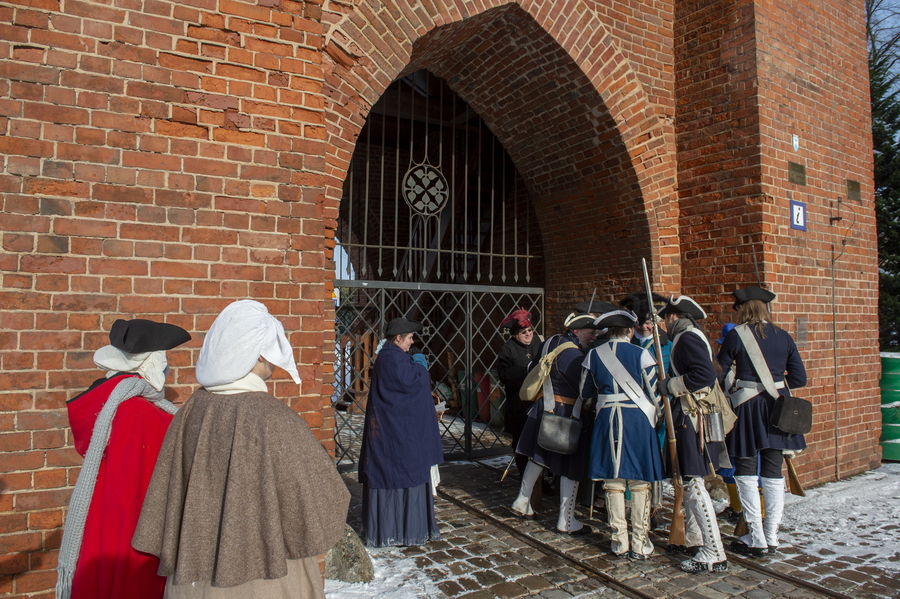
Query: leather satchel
[(559, 434), (792, 415)]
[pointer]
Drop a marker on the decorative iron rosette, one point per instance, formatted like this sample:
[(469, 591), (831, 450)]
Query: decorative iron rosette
[(425, 189)]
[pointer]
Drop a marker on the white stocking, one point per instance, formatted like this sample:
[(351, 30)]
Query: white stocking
[(696, 499), (773, 492), (566, 522), (522, 504), (748, 491)]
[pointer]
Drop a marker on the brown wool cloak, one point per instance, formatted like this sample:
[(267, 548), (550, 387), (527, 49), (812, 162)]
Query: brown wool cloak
[(241, 485)]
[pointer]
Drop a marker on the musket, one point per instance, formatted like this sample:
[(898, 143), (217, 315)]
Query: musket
[(793, 479), (676, 528), (508, 466), (756, 267), (741, 528)]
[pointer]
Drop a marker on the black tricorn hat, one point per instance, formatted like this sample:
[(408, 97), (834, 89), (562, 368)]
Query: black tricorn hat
[(138, 336), (614, 316), (683, 305), (637, 303), (587, 307), (742, 296), (401, 326), (580, 318)]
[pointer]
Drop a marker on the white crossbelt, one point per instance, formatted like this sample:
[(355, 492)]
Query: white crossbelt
[(739, 390), (616, 402), (626, 382)]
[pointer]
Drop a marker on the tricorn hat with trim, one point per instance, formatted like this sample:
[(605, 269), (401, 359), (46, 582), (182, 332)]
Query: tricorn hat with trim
[(614, 316), (401, 326), (580, 318), (683, 305), (742, 296), (138, 336)]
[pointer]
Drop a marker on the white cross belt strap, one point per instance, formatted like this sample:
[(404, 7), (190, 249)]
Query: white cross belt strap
[(768, 384), (626, 382), (549, 401)]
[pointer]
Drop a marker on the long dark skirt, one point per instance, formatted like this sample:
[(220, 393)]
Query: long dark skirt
[(692, 461), (752, 431), (571, 466), (402, 517)]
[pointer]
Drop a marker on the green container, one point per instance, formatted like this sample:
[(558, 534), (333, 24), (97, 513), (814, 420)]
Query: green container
[(890, 415), (890, 362), (890, 432), (890, 395), (890, 451), (890, 381)]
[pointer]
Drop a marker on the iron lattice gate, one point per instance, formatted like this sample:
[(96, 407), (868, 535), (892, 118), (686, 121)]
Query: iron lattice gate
[(436, 221), (460, 340)]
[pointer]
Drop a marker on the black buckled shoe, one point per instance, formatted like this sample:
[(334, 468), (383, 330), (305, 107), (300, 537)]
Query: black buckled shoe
[(688, 551), (745, 549), (694, 567), (584, 530), (635, 556)]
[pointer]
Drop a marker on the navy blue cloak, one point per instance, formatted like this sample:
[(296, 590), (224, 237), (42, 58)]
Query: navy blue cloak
[(401, 440)]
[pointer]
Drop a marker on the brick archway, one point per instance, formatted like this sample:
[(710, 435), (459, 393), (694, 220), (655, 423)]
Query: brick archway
[(560, 93)]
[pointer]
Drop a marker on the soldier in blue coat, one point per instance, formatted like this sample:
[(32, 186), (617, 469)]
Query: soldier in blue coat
[(643, 336), (565, 376), (625, 450), (755, 444), (693, 375)]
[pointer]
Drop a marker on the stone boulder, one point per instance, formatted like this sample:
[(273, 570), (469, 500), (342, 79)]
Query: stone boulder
[(348, 560)]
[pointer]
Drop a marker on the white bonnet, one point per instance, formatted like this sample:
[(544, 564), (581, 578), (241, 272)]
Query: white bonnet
[(242, 333)]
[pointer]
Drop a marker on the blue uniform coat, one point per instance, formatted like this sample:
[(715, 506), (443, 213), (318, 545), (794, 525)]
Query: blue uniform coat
[(626, 429), (752, 431), (690, 357), (566, 378)]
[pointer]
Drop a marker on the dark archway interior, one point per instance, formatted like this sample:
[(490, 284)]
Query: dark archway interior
[(431, 195), (563, 141)]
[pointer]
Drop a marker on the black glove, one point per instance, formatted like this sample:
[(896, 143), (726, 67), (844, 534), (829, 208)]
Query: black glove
[(414, 350), (662, 386)]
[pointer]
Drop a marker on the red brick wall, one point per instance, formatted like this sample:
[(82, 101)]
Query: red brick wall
[(161, 159), (749, 76)]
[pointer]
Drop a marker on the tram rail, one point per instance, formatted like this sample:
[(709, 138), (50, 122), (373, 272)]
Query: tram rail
[(606, 578)]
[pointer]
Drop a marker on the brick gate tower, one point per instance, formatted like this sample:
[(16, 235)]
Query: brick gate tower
[(162, 159)]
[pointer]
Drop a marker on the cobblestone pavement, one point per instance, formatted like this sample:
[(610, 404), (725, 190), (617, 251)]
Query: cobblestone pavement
[(476, 559)]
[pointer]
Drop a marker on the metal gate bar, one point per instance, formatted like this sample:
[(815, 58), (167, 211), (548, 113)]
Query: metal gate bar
[(460, 340)]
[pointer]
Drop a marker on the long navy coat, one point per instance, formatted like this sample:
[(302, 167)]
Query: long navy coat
[(401, 440), (752, 430), (566, 378)]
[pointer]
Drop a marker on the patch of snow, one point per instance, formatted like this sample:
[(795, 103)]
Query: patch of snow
[(396, 577), (858, 517)]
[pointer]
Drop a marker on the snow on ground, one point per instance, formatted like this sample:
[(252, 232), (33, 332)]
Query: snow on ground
[(396, 577), (858, 517)]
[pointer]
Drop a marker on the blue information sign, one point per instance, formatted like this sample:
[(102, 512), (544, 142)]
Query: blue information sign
[(798, 215)]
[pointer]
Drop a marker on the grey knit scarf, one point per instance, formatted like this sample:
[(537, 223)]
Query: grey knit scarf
[(73, 533)]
